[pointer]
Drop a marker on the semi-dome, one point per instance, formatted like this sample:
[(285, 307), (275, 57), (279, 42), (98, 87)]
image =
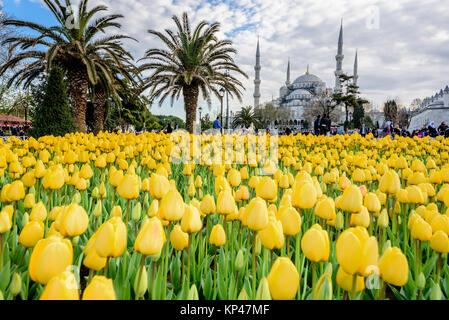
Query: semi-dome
[(299, 92)]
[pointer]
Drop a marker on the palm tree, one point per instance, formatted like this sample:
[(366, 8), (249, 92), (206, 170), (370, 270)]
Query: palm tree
[(193, 63), (245, 117), (75, 45)]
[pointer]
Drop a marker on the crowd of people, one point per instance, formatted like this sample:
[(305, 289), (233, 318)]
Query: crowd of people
[(14, 130)]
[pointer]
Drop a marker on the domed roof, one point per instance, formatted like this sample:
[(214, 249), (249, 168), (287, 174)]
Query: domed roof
[(307, 78)]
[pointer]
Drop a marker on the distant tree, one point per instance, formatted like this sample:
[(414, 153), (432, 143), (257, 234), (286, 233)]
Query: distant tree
[(391, 111), (358, 116), (206, 123), (245, 117), (404, 117), (368, 122), (416, 103), (348, 97), (53, 115), (319, 106), (266, 115)]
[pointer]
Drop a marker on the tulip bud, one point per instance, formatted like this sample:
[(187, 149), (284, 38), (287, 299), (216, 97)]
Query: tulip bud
[(25, 219), (421, 281), (75, 240), (435, 291), (137, 212), (95, 193), (382, 221), (193, 293), (239, 261), (141, 281), (242, 295), (99, 288), (16, 284), (98, 209), (323, 290), (76, 198), (263, 291)]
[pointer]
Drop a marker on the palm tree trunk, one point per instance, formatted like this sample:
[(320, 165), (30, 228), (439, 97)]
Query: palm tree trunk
[(77, 87), (99, 107), (190, 94)]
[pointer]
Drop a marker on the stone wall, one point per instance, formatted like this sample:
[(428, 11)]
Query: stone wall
[(437, 115)]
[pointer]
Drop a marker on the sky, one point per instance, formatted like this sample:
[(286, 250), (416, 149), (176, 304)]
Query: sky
[(403, 45)]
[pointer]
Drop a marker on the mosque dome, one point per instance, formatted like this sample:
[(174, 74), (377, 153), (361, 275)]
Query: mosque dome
[(307, 78)]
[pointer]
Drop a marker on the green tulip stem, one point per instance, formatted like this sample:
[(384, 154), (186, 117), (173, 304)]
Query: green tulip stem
[(165, 269), (215, 273), (226, 250), (1, 251), (254, 265), (437, 281), (287, 240), (182, 266), (38, 180), (353, 289), (106, 267), (207, 233), (404, 227), (153, 294), (313, 277), (142, 265), (59, 197), (127, 212), (188, 263)]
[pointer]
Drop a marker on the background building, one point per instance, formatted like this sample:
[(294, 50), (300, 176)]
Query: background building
[(435, 108)]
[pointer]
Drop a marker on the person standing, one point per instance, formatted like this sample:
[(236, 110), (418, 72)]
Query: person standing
[(217, 124), (363, 131), (316, 125)]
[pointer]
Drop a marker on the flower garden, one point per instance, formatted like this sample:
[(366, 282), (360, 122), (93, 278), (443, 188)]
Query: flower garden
[(114, 216)]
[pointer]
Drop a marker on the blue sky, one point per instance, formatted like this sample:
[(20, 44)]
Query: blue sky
[(403, 45)]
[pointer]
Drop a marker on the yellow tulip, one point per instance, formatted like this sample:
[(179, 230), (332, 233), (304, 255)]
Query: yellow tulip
[(256, 214), (128, 187), (31, 234), (315, 244), (352, 199), (16, 191), (272, 236), (390, 182), (266, 189), (111, 239), (50, 257), (62, 286), (283, 279), (217, 236), (191, 220), (92, 260), (372, 203), (421, 230), (393, 267), (357, 253), (361, 219), (225, 202), (291, 221), (325, 209), (345, 281), (172, 206), (304, 196), (178, 238), (151, 238), (72, 221), (99, 288)]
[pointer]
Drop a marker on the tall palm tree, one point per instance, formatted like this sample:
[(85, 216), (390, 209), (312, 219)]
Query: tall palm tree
[(110, 88), (193, 63), (74, 44), (245, 117)]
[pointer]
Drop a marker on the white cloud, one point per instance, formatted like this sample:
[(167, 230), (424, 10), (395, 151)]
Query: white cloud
[(405, 57)]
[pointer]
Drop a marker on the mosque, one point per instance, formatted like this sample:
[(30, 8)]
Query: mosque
[(296, 96)]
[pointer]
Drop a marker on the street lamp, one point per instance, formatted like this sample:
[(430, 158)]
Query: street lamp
[(200, 109), (222, 91)]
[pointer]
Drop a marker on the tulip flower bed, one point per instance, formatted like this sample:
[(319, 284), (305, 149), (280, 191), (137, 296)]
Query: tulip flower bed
[(114, 217)]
